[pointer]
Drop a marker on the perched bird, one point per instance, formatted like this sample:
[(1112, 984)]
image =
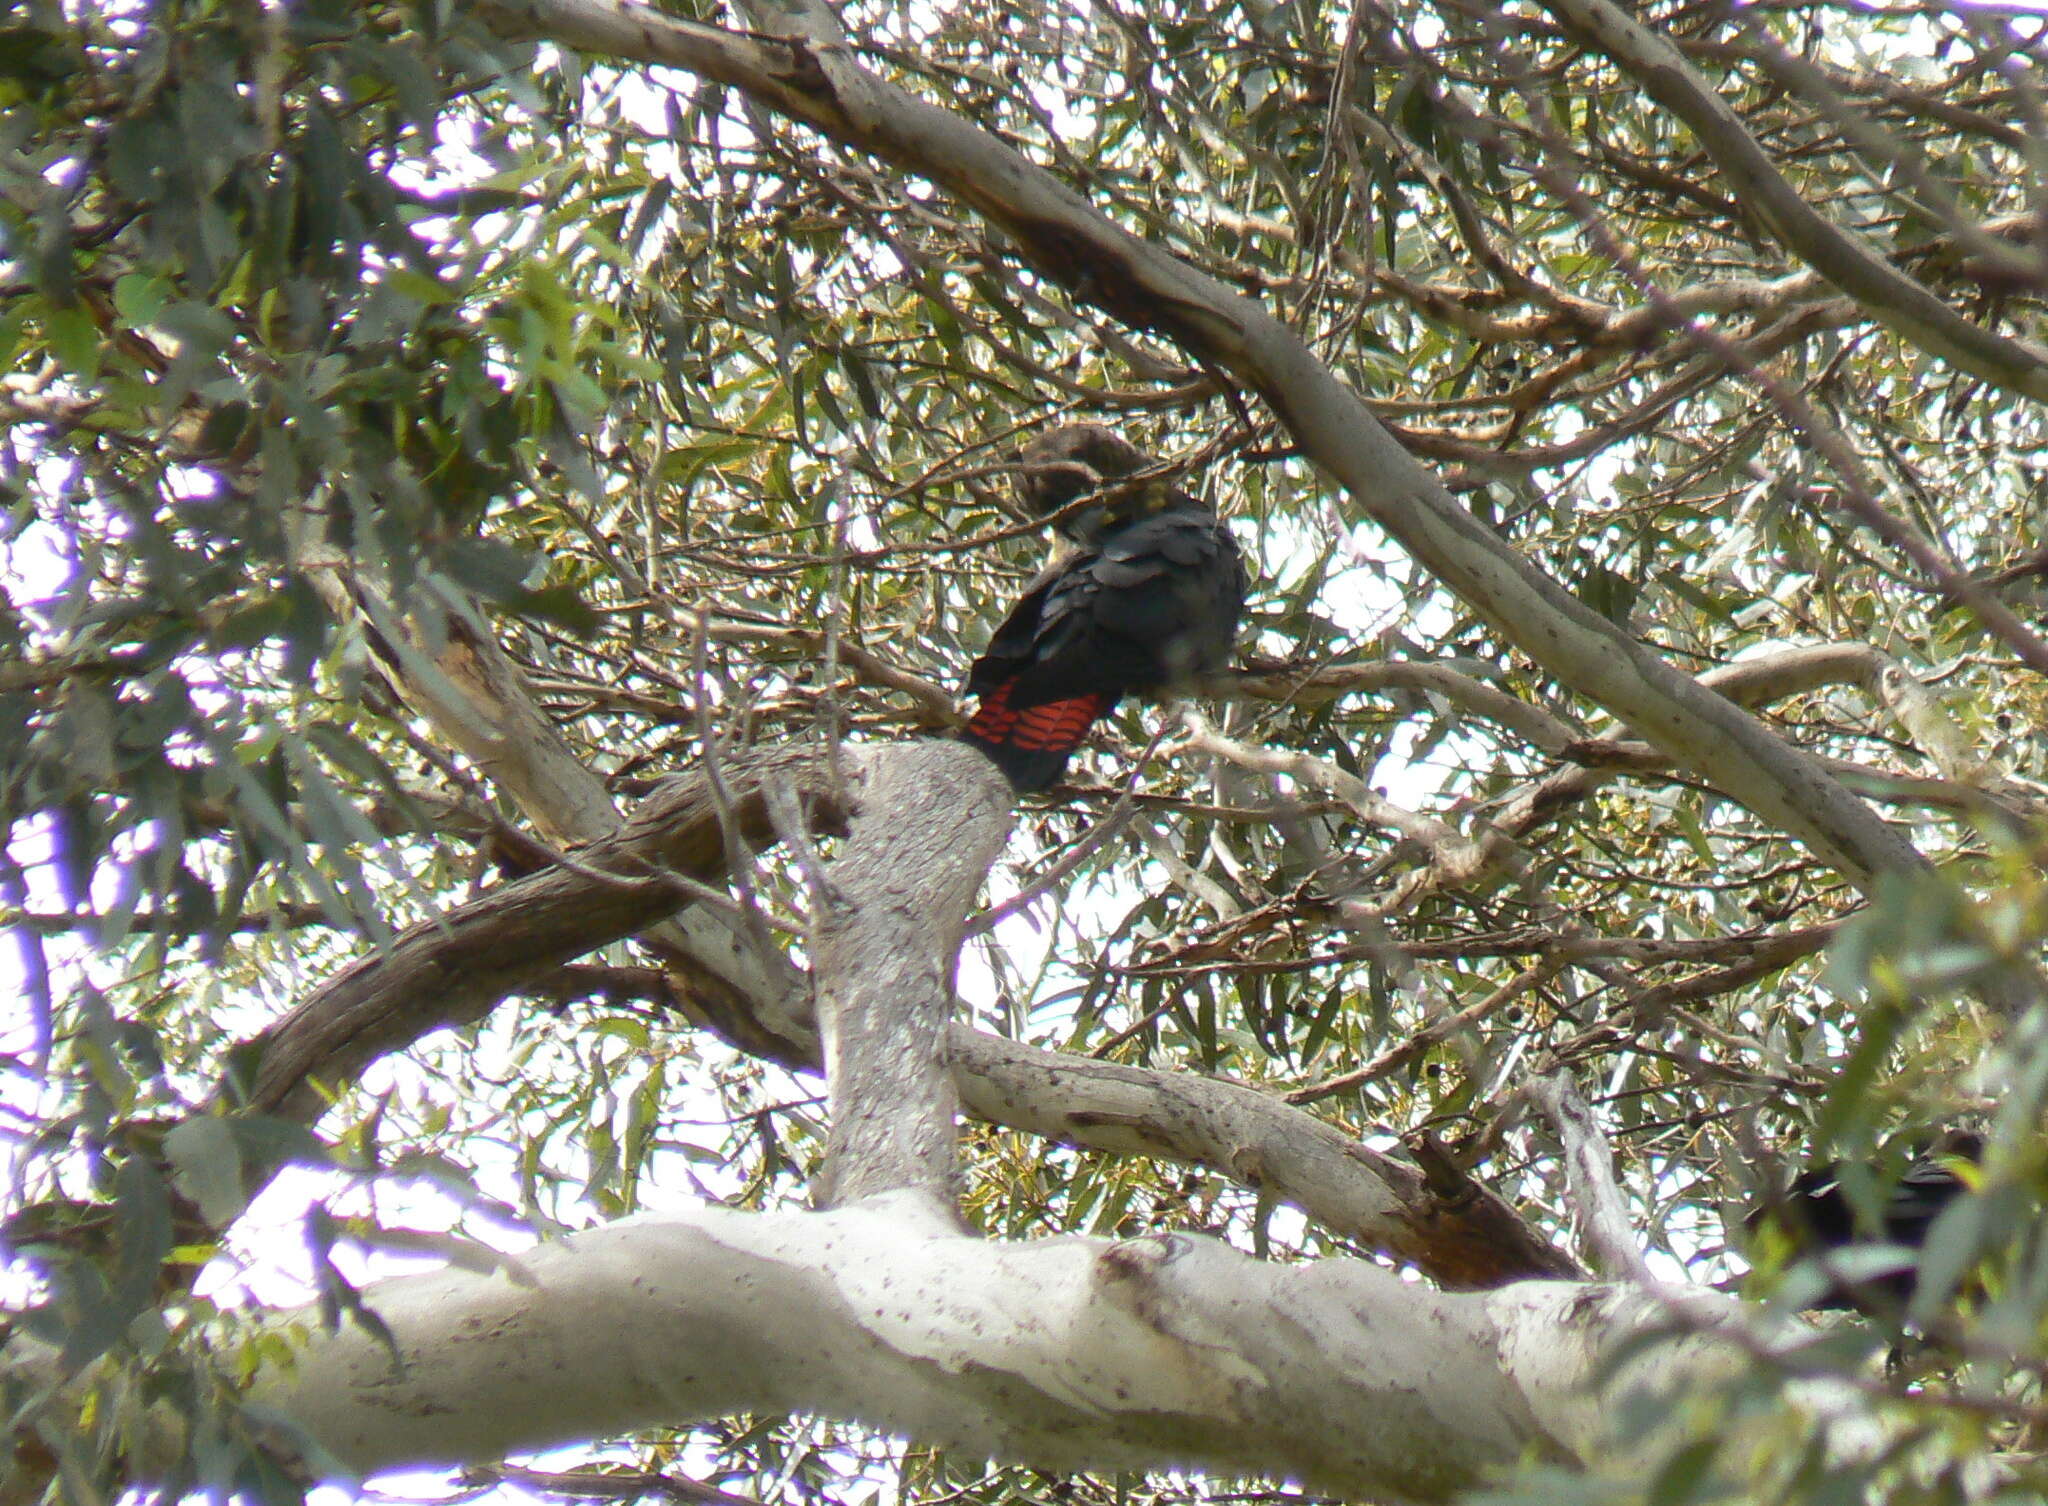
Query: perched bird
[(1148, 598), (1817, 1216)]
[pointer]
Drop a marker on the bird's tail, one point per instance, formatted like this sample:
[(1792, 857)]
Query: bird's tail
[(1031, 745)]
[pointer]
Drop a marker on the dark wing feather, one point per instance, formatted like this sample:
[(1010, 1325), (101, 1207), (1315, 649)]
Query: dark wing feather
[(1818, 1215), (1157, 603), (1153, 603)]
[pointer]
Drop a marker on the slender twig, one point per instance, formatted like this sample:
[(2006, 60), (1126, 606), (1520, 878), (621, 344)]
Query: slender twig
[(740, 862), (1112, 823), (1440, 1029), (1598, 1211)]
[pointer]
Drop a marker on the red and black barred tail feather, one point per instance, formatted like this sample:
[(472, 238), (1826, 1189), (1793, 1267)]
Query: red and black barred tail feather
[(1031, 745)]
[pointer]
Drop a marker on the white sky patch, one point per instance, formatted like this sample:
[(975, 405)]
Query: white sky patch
[(43, 558), (860, 529)]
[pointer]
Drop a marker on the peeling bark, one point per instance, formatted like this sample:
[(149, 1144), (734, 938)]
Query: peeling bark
[(439, 658), (452, 969)]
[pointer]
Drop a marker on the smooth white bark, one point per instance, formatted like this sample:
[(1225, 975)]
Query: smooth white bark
[(1063, 1353)]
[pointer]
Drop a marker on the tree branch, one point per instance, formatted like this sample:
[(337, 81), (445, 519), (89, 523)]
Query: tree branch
[(454, 968), (440, 660), (1064, 1354), (451, 969), (1257, 1140), (1887, 294), (929, 818), (1597, 1207)]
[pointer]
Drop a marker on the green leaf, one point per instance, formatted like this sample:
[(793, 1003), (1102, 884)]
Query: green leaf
[(207, 1165), (74, 340)]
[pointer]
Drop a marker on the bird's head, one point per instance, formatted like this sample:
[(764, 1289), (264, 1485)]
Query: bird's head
[(1064, 465)]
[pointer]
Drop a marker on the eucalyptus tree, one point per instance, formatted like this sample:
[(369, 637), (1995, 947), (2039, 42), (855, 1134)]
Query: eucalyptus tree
[(500, 501)]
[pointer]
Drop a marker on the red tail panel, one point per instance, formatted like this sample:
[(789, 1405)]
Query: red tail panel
[(1056, 728), (1031, 745)]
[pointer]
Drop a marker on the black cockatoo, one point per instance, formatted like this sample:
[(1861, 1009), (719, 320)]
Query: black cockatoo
[(1148, 599), (1817, 1216)]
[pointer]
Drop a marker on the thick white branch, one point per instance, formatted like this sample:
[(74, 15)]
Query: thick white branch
[(1066, 1354)]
